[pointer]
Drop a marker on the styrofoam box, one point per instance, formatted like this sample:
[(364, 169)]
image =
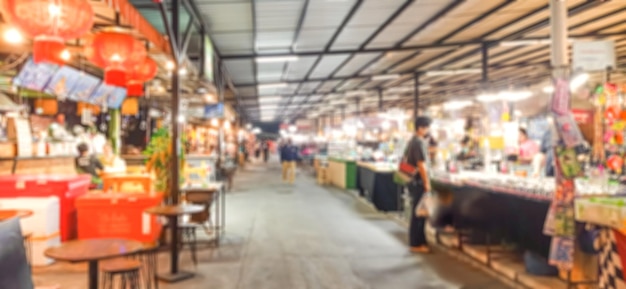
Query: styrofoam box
[(44, 224)]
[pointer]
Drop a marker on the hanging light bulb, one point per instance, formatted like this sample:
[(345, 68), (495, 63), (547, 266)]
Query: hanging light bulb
[(13, 36), (66, 55)]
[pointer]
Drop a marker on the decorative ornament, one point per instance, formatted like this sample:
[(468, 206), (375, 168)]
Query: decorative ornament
[(50, 23)]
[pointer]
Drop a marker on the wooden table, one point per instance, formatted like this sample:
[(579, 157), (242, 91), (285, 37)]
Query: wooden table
[(172, 213), (92, 251), (8, 214)]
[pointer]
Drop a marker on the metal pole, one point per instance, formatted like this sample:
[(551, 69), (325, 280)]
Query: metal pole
[(558, 35), (380, 100), (485, 64), (416, 94), (174, 162)]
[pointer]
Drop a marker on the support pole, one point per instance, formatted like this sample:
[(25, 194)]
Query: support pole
[(558, 33), (485, 64), (416, 94), (380, 100), (358, 107)]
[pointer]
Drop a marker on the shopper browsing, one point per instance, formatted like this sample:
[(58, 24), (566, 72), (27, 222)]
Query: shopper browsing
[(416, 155), (289, 156)]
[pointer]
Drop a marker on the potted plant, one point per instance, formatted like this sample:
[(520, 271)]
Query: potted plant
[(159, 154)]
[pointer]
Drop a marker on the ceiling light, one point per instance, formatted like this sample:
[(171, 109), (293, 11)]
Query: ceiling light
[(385, 77), (488, 97), (54, 10), (548, 89), (272, 85), (169, 65), (182, 71), (215, 122), (181, 119), (292, 128), (454, 72), (505, 96), (457, 104), (13, 36), (578, 81), (273, 59), (66, 55)]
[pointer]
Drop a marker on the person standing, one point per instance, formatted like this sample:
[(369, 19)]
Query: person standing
[(266, 150), (289, 156), (417, 155)]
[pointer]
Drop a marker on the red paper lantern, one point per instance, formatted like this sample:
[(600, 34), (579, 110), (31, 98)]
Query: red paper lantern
[(50, 23), (112, 49), (141, 73)]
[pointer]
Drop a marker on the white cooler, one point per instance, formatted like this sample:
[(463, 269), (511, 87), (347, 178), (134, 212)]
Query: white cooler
[(43, 224)]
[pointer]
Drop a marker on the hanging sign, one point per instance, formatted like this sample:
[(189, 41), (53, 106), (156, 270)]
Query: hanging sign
[(594, 55)]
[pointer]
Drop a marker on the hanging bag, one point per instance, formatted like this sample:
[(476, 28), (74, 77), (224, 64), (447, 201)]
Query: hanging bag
[(405, 167)]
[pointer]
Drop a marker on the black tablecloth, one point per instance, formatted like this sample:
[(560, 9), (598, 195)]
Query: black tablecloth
[(505, 216), (379, 188)]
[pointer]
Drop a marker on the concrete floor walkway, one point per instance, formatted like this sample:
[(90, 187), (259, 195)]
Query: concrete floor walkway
[(305, 237)]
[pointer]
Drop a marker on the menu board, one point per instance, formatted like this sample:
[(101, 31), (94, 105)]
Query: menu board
[(214, 111), (84, 87), (19, 130), (100, 95), (35, 76), (116, 98), (63, 82)]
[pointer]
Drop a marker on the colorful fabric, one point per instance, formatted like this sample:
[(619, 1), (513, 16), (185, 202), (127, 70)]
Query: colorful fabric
[(611, 275)]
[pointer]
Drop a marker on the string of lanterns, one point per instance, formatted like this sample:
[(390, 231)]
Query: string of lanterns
[(51, 23)]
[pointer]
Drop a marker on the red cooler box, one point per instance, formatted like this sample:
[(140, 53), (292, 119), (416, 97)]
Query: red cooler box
[(118, 216), (66, 187)]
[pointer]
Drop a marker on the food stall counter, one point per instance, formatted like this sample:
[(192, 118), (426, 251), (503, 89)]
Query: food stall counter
[(508, 208), (342, 172), (375, 182), (38, 165)]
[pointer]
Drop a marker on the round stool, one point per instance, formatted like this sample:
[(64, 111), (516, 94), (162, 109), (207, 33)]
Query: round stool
[(127, 269)]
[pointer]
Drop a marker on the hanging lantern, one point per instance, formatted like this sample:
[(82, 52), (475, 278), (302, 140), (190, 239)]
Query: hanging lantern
[(112, 49), (50, 23), (141, 73)]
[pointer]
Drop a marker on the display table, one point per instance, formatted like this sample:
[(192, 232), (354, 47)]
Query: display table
[(115, 215), (342, 173), (376, 184), (504, 214), (57, 165), (66, 188)]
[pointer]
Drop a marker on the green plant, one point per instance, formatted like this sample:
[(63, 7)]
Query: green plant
[(159, 154)]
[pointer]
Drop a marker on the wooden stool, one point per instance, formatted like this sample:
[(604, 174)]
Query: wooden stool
[(127, 269)]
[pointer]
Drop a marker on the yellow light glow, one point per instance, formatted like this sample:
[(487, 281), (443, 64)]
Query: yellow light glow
[(66, 55), (13, 36)]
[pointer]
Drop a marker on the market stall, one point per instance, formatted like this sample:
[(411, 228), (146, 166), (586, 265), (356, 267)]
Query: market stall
[(375, 183)]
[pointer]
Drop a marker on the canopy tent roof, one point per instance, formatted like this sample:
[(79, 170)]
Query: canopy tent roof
[(341, 44)]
